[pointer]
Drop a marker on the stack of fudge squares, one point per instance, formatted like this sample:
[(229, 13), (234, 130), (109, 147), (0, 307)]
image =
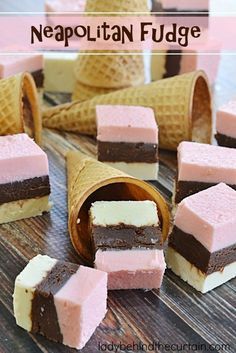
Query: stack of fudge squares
[(24, 178), (127, 139), (202, 246), (127, 242)]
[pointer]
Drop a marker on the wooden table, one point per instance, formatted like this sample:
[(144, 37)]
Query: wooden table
[(176, 314)]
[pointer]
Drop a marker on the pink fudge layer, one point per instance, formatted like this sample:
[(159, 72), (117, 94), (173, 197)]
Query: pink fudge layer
[(81, 306), (12, 65), (21, 158), (64, 6), (117, 123), (132, 269), (185, 4), (196, 61), (210, 216), (206, 163), (226, 120)]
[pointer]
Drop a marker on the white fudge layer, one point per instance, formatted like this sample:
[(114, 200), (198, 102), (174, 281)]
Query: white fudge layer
[(193, 276), (21, 158), (21, 209), (133, 213), (25, 285), (210, 216), (206, 163), (226, 120), (59, 72), (143, 171)]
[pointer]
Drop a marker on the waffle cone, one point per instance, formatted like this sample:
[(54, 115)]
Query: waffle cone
[(110, 71), (83, 92), (116, 6), (20, 107), (90, 181), (182, 107)]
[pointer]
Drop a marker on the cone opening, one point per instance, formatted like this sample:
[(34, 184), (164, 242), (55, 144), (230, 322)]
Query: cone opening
[(201, 111), (30, 109), (114, 190)]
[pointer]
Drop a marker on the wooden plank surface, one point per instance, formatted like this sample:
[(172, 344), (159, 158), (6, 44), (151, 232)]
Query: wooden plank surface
[(176, 314)]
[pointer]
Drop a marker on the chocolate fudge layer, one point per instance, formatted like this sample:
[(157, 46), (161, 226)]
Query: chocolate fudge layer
[(194, 252), (26, 189), (127, 152), (225, 141), (173, 63), (188, 188), (38, 78), (126, 237), (47, 323)]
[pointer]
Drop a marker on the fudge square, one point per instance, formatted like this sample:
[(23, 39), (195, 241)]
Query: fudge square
[(201, 166), (202, 246), (62, 301), (226, 125), (11, 65), (24, 178), (126, 237), (128, 139)]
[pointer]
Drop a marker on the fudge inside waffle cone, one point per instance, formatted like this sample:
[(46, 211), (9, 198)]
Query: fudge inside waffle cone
[(90, 181)]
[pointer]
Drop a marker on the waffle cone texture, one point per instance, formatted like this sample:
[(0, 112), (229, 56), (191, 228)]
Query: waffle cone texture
[(182, 107), (84, 92), (109, 70), (90, 181), (116, 6), (20, 107)]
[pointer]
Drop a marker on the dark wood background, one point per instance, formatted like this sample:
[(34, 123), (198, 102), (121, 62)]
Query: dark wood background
[(176, 314)]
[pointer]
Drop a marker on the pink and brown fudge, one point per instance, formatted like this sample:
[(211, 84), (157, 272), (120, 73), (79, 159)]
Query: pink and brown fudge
[(201, 166), (202, 246), (11, 65), (126, 238), (226, 125), (24, 178), (128, 139), (62, 301), (174, 62)]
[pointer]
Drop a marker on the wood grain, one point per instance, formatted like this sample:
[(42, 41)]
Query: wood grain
[(175, 314)]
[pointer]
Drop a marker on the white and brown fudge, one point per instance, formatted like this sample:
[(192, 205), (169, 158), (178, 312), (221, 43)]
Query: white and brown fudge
[(13, 64), (201, 166), (62, 301), (126, 238), (24, 178), (128, 139), (202, 246), (226, 125)]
